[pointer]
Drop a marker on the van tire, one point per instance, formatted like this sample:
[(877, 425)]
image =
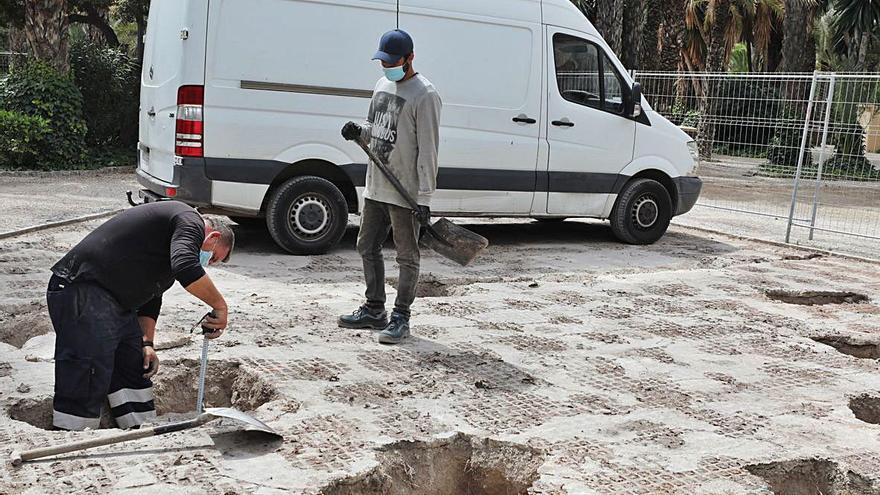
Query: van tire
[(642, 212), (307, 215)]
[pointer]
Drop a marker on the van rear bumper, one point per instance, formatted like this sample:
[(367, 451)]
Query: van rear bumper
[(688, 189), (192, 185)]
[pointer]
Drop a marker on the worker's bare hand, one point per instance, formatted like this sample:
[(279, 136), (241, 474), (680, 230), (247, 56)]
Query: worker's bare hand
[(217, 323), (151, 362)]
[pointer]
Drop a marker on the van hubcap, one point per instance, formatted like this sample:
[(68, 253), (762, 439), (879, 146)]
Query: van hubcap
[(645, 212), (309, 216)]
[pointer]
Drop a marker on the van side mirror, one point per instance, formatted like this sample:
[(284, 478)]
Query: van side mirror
[(634, 104)]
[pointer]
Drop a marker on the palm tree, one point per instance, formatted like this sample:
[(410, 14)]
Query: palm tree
[(752, 22), (855, 24), (633, 27), (720, 26), (609, 22), (46, 28), (670, 36), (799, 42)]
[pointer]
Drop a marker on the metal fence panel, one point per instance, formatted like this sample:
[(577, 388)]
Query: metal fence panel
[(801, 151)]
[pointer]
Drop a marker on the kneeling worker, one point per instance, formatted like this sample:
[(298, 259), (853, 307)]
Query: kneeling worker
[(104, 299)]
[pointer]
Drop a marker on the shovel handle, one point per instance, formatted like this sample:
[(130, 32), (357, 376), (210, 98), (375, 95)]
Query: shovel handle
[(30, 455), (400, 189), (388, 174)]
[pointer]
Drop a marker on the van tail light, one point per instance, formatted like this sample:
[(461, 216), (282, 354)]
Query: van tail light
[(189, 140)]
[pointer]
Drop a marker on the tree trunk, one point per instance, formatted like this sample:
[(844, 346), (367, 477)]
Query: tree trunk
[(97, 21), (609, 22), (141, 31), (17, 44), (774, 49), (648, 44), (17, 40), (671, 34), (864, 42), (633, 24), (45, 25), (749, 55), (716, 61), (798, 43)]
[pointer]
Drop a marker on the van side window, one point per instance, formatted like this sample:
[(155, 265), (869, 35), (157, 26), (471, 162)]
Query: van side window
[(577, 70), (585, 75), (613, 87)]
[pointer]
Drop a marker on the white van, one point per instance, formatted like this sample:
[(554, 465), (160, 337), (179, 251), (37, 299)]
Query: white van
[(242, 103)]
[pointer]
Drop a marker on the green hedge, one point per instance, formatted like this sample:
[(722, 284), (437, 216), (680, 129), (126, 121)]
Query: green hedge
[(22, 140), (37, 90), (109, 82)]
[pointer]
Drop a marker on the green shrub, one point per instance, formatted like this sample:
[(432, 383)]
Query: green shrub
[(22, 139), (109, 81), (36, 89), (749, 109)]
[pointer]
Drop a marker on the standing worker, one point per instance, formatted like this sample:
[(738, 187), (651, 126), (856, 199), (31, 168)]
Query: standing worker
[(104, 299), (402, 128)]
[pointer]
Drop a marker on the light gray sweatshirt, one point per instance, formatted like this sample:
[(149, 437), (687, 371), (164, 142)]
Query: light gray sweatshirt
[(403, 129)]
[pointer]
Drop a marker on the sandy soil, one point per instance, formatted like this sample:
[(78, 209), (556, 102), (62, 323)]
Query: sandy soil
[(37, 198), (560, 362), (731, 188)]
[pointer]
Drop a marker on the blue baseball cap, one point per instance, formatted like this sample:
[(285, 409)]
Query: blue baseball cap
[(393, 46)]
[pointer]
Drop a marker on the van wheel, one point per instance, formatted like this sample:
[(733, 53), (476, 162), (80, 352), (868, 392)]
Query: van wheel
[(642, 212), (307, 215)]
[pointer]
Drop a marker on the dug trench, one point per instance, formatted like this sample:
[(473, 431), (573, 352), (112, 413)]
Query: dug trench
[(850, 346), (175, 388), (813, 298), (461, 464), (20, 323), (866, 408), (813, 477)]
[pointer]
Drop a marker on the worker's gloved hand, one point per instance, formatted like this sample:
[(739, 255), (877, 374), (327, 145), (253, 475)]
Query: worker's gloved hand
[(423, 214), (151, 361), (216, 323), (351, 131)]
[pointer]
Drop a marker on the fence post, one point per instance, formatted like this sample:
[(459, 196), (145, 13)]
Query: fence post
[(800, 162), (828, 104)]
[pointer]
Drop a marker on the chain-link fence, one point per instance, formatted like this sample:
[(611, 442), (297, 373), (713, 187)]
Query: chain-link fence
[(792, 157)]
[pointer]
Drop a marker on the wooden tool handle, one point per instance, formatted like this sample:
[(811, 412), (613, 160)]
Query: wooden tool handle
[(387, 172), (29, 455)]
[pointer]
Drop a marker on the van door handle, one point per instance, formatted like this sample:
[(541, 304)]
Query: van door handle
[(562, 123), (524, 119)]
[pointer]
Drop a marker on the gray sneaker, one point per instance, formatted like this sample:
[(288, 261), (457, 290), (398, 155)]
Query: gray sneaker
[(396, 331), (364, 317)]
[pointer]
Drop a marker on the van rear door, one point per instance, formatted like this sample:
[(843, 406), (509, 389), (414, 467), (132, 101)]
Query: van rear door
[(174, 56)]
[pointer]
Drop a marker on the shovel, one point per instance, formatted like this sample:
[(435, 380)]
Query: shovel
[(251, 424), (447, 239), (204, 415)]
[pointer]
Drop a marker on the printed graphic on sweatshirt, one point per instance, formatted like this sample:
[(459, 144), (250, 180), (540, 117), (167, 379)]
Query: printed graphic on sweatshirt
[(384, 115)]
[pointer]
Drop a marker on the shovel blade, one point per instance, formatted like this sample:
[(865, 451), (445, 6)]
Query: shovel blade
[(251, 423), (463, 245)]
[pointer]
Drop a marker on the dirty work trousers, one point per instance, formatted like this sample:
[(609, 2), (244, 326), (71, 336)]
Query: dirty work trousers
[(377, 220), (98, 357)]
